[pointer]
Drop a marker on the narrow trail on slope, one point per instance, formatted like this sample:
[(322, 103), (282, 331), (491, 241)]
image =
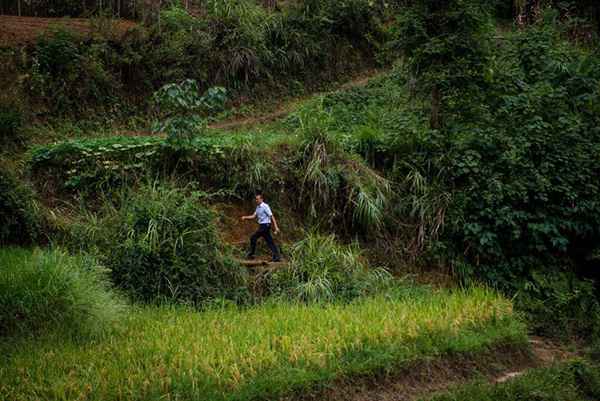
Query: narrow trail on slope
[(282, 110), (425, 379), (287, 107)]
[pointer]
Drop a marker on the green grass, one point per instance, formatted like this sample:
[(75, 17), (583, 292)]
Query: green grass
[(42, 290), (172, 353), (572, 381)]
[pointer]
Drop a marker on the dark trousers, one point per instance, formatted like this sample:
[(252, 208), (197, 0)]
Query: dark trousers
[(264, 230)]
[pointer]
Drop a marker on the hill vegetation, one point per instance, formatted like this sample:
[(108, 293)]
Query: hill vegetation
[(472, 157)]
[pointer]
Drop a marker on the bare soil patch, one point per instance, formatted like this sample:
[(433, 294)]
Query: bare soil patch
[(424, 379), (23, 30)]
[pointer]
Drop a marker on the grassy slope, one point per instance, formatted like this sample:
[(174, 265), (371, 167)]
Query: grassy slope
[(263, 352)]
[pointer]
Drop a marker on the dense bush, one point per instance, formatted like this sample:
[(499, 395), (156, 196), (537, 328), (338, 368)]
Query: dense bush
[(11, 122), (69, 73), (321, 270), (161, 244), (522, 173), (45, 290), (20, 220), (510, 185), (559, 304), (528, 175), (336, 187), (446, 44)]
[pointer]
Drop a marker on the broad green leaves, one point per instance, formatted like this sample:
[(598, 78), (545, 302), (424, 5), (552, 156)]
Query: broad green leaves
[(180, 106)]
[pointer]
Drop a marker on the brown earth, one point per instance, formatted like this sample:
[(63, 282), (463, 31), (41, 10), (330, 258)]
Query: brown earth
[(423, 380), (23, 30)]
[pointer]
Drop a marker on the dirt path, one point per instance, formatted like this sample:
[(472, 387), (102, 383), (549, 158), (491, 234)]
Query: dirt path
[(281, 111), (287, 107), (22, 30), (425, 379)]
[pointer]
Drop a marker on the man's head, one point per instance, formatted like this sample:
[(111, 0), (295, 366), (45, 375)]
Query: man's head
[(258, 198)]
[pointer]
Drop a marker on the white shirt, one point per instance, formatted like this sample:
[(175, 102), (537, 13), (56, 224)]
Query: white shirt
[(263, 213)]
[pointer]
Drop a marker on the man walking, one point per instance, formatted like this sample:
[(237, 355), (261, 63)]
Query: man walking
[(264, 217)]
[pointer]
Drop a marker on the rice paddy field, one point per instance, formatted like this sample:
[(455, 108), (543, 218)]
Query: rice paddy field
[(262, 352)]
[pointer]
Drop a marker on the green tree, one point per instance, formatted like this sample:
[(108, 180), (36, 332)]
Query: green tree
[(446, 44)]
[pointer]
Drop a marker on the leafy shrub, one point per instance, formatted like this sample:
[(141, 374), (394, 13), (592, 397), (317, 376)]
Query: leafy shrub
[(322, 270), (529, 179), (68, 73), (588, 378), (20, 220), (356, 20), (179, 104), (446, 44), (161, 244), (559, 304), (44, 290), (11, 121), (91, 165)]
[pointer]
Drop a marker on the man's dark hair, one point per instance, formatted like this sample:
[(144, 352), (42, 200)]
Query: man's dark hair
[(259, 193)]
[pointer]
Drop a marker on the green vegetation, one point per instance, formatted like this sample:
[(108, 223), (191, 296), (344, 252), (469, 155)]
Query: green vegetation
[(20, 221), (259, 353), (475, 154), (239, 45), (11, 122), (42, 291), (321, 270), (179, 105), (161, 244), (574, 381), (483, 193)]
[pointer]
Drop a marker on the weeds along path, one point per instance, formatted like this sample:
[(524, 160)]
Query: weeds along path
[(422, 381), (22, 30), (286, 107)]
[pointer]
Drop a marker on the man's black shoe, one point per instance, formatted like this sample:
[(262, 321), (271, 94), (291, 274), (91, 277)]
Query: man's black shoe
[(276, 259), (249, 256)]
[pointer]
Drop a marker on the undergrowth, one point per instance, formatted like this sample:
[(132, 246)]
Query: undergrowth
[(20, 218), (321, 270), (161, 243)]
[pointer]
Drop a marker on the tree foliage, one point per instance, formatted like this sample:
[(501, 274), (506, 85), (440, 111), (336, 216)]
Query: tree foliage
[(446, 43)]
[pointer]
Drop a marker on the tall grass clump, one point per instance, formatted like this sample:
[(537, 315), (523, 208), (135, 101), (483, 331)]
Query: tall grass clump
[(321, 270), (44, 290), (337, 187), (162, 244)]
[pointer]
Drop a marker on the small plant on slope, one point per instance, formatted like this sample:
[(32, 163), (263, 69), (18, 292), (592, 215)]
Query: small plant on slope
[(180, 106)]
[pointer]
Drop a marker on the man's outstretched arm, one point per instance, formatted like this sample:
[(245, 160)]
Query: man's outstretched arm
[(250, 217), (275, 226)]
